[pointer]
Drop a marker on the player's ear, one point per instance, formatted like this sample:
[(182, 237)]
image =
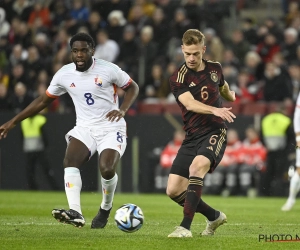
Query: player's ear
[(93, 51), (204, 49)]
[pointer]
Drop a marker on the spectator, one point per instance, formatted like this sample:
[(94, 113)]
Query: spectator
[(20, 98), (157, 86), (161, 32), (253, 159), (22, 8), (166, 159), (246, 91), (4, 78), (293, 12), (268, 48), (24, 35), (277, 85), (116, 23), (147, 51), (294, 71), (35, 143), (106, 49), (147, 7), (128, 51), (79, 12), (18, 74), (278, 137), (180, 23), (290, 45), (215, 47), (138, 18), (238, 44), (59, 13), (4, 25), (250, 31), (106, 6), (33, 65), (5, 101), (18, 55), (95, 23), (193, 13), (41, 12), (254, 66)]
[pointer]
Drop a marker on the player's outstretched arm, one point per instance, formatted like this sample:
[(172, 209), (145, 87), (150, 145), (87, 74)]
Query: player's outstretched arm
[(226, 93), (193, 105), (33, 108), (131, 92)]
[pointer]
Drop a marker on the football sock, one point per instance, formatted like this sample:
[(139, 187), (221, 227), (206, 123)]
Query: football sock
[(73, 186), (180, 198), (294, 186), (108, 191), (210, 213), (191, 201)]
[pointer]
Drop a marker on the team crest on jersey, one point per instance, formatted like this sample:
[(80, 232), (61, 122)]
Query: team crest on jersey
[(98, 81), (214, 76)]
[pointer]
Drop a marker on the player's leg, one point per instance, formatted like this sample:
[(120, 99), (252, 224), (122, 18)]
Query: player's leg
[(111, 149), (294, 185), (212, 148), (80, 148), (107, 163), (177, 190)]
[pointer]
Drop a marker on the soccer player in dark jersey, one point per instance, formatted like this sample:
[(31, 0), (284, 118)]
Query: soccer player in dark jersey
[(198, 86)]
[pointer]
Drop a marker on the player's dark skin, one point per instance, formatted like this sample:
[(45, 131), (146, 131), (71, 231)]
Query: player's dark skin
[(77, 153)]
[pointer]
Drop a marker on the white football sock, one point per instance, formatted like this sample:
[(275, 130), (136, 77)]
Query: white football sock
[(73, 186), (108, 191), (294, 186)]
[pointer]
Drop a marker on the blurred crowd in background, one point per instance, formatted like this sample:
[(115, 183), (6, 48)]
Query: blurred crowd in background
[(260, 59)]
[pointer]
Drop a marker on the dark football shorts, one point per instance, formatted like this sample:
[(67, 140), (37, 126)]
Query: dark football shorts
[(211, 145)]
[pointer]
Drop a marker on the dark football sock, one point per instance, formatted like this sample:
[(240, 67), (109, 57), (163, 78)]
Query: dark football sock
[(191, 201), (210, 213), (180, 198)]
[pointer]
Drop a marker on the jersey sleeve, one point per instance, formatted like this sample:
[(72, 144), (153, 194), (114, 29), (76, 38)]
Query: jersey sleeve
[(121, 78), (55, 89), (177, 88)]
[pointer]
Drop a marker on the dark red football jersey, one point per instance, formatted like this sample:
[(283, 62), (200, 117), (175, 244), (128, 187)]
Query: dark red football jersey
[(204, 86)]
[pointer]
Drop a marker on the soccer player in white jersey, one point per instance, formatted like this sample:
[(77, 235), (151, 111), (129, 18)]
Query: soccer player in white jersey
[(295, 180), (100, 126)]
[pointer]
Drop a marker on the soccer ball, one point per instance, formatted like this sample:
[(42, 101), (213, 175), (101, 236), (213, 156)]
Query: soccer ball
[(129, 218)]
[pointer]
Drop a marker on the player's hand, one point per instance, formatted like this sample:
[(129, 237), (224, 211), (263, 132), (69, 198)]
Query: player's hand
[(5, 128), (224, 113), (115, 115)]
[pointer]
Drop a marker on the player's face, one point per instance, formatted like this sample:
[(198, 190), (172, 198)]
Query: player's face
[(193, 55), (82, 55)]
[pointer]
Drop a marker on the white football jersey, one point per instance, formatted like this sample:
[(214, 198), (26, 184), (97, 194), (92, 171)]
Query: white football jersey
[(94, 91)]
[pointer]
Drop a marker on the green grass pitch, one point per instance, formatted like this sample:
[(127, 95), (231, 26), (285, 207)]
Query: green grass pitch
[(26, 223)]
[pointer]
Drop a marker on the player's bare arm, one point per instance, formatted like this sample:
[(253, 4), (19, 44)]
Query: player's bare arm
[(226, 93), (193, 105), (131, 92), (33, 108)]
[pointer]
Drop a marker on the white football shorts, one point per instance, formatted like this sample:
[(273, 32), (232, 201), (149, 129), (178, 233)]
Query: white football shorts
[(100, 139)]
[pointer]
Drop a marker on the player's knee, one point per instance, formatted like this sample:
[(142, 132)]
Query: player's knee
[(171, 192), (107, 171), (70, 162)]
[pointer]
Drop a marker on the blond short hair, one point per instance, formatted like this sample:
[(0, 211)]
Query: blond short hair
[(193, 36)]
